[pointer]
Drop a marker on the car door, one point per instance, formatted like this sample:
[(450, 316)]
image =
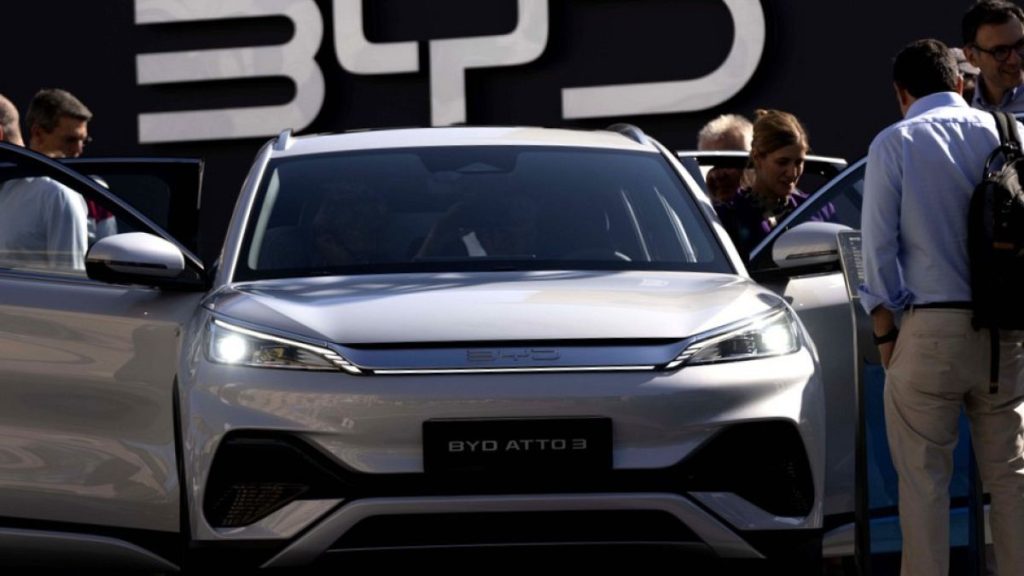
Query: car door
[(87, 376), (820, 297), (165, 190)]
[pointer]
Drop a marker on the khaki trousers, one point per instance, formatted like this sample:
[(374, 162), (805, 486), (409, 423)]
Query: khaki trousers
[(941, 363)]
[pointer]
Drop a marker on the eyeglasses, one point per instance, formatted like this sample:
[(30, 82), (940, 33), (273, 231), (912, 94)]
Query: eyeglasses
[(75, 140), (1002, 53)]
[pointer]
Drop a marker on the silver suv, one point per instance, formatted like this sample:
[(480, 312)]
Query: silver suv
[(412, 339)]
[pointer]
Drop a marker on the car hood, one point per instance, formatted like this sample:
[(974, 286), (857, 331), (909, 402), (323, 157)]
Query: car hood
[(493, 307)]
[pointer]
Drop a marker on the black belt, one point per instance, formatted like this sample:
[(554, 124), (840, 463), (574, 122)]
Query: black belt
[(942, 305)]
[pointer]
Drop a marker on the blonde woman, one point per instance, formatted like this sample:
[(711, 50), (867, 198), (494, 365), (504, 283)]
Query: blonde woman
[(778, 150)]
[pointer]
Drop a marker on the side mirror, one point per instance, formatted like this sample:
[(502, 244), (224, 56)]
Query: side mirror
[(808, 244), (135, 258)]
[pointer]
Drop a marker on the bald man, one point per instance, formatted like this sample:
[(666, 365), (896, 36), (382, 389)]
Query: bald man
[(726, 132), (10, 131)]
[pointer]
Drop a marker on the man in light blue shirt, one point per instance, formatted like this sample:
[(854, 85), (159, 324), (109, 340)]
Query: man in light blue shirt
[(993, 34), (919, 178)]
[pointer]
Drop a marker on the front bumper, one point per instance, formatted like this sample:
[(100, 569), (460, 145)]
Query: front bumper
[(309, 464)]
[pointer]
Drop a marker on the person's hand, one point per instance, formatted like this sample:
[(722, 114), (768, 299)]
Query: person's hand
[(885, 351), (885, 332)]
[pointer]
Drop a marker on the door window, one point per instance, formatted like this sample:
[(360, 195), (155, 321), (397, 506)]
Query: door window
[(44, 224), (844, 194)]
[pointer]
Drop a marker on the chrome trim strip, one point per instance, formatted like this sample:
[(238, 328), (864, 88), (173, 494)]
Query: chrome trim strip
[(514, 370), (318, 539)]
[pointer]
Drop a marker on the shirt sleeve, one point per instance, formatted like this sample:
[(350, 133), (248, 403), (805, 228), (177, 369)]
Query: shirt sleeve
[(880, 226)]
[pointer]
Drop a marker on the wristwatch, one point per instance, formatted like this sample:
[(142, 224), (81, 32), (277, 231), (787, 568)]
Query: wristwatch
[(889, 336)]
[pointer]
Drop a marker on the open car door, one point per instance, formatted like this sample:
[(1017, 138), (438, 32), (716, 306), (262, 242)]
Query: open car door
[(165, 190), (88, 449)]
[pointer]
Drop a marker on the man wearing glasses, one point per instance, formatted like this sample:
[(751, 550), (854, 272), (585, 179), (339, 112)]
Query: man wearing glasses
[(58, 126), (993, 35)]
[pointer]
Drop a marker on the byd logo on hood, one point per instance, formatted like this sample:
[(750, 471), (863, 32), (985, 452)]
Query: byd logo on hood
[(449, 60)]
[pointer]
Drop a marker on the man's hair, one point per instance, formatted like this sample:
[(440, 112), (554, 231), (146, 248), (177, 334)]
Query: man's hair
[(925, 67), (731, 130), (9, 119), (986, 12), (50, 104)]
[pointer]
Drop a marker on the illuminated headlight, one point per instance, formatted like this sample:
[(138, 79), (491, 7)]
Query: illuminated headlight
[(229, 344), (774, 334)]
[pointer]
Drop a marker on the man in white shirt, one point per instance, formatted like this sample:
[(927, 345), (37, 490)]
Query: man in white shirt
[(43, 224)]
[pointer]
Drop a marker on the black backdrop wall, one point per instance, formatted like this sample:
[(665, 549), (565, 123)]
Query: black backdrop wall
[(827, 61)]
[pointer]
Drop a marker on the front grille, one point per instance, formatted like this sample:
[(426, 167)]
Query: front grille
[(254, 474)]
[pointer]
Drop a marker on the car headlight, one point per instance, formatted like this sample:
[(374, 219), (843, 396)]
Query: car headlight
[(773, 334), (229, 344)]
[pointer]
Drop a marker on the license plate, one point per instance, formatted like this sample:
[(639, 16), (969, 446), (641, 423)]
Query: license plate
[(520, 444)]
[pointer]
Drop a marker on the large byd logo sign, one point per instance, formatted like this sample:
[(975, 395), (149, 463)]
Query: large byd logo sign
[(449, 60)]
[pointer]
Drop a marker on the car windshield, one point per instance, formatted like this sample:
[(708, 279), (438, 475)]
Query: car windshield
[(465, 208)]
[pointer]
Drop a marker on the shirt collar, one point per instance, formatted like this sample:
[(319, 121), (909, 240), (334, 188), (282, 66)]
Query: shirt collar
[(979, 101), (935, 100)]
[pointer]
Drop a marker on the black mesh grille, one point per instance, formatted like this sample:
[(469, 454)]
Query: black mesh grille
[(482, 529), (255, 475), (243, 504)]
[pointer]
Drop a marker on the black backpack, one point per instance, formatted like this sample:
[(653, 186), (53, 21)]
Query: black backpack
[(995, 241)]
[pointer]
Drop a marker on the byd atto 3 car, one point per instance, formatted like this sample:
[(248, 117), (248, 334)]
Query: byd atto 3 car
[(412, 339)]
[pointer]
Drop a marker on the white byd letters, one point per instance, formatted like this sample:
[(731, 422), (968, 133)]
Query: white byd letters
[(293, 60), (358, 55), (472, 446), (680, 95), (449, 59)]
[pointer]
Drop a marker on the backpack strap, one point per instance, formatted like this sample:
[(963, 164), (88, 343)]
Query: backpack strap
[(1009, 148), (1006, 124)]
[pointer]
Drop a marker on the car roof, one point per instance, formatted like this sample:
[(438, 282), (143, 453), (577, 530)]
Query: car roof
[(287, 145)]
